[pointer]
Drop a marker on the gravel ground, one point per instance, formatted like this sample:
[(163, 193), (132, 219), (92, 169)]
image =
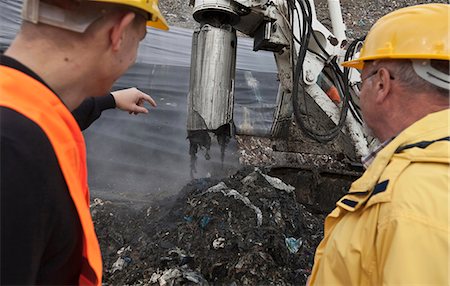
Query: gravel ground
[(358, 16)]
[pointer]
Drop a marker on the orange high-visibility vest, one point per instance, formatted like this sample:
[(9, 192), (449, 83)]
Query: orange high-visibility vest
[(35, 101)]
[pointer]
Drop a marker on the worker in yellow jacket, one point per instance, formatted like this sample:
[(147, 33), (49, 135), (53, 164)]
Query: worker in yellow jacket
[(392, 228)]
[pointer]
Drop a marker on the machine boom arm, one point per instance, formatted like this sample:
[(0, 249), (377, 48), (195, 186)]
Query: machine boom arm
[(307, 55)]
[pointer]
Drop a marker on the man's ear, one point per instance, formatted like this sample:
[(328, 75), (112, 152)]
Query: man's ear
[(383, 85), (119, 28)]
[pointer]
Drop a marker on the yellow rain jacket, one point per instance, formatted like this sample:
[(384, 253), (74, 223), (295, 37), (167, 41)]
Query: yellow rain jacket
[(392, 228)]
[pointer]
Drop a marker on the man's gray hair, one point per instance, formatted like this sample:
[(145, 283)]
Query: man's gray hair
[(405, 73)]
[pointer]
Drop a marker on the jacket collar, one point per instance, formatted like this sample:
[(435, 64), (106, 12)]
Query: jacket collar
[(432, 127)]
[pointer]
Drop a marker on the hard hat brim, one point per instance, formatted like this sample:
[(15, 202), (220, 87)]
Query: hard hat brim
[(158, 21), (357, 64), (161, 25)]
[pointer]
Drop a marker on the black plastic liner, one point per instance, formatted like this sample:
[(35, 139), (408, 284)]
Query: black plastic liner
[(146, 156)]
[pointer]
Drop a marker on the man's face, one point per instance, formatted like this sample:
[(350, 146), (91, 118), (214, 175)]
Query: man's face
[(122, 50), (367, 104), (135, 34)]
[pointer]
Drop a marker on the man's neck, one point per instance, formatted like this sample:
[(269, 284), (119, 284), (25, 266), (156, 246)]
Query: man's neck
[(411, 113), (64, 73)]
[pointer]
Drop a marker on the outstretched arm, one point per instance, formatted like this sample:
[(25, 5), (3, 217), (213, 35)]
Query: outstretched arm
[(91, 109), (130, 99)]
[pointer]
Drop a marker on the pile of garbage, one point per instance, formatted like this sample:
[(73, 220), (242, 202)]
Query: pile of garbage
[(247, 229)]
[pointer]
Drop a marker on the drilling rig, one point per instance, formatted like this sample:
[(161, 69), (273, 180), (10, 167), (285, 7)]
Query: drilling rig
[(316, 122)]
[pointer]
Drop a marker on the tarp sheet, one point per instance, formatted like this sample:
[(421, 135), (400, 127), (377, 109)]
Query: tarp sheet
[(146, 156)]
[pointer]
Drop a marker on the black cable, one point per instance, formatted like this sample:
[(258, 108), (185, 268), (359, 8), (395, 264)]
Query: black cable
[(318, 136), (349, 55), (342, 78)]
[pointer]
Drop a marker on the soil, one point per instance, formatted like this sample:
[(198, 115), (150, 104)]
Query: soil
[(246, 229)]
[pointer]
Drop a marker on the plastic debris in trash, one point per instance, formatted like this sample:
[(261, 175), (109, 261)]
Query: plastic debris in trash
[(293, 244), (123, 250), (123, 260), (120, 264), (219, 243), (188, 218), (277, 183), (97, 202), (251, 255), (204, 221), (183, 258), (178, 276), (195, 277), (168, 277), (155, 277), (223, 188)]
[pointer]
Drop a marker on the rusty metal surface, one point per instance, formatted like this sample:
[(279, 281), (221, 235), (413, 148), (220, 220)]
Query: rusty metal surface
[(259, 151)]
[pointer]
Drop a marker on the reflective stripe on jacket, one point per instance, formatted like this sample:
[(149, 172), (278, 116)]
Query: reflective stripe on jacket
[(392, 228), (35, 101)]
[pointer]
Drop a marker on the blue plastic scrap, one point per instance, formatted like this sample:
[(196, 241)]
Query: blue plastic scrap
[(204, 221), (293, 244)]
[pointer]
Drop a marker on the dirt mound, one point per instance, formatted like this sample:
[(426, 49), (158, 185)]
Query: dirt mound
[(245, 230)]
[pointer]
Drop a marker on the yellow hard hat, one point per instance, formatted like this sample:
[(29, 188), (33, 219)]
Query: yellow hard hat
[(416, 32), (156, 19)]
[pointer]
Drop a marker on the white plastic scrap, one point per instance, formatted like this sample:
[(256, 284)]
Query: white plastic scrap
[(180, 252), (240, 263), (250, 179), (222, 188), (118, 265), (155, 277), (195, 277), (219, 243), (97, 202), (277, 183), (169, 275), (123, 249)]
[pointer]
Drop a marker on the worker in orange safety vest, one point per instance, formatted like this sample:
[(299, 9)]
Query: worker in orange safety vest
[(65, 52)]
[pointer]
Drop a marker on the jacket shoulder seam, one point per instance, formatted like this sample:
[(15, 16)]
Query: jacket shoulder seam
[(397, 215)]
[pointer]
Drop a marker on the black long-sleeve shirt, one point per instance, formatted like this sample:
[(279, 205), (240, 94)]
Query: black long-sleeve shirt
[(41, 239), (91, 109)]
